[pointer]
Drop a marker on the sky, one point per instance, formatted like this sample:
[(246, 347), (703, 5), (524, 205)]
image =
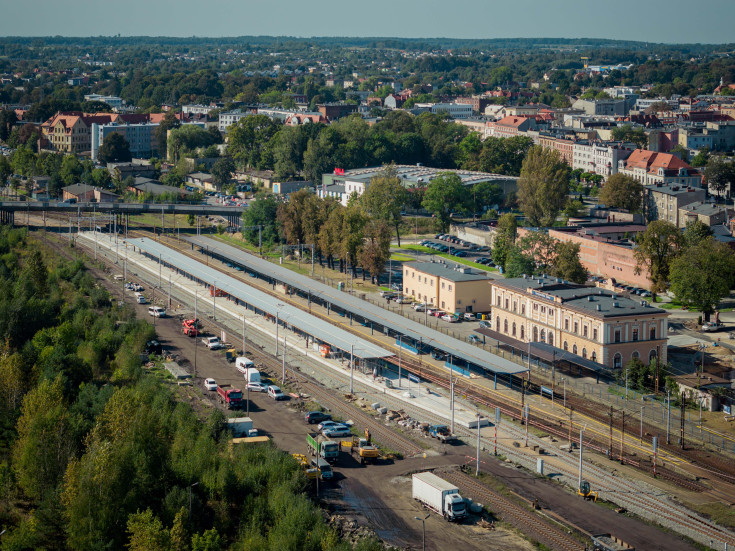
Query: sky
[(670, 21)]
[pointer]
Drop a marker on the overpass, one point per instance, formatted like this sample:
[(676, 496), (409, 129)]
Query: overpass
[(9, 208)]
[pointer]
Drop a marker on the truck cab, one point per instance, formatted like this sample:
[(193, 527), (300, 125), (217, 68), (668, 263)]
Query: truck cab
[(325, 469), (455, 507)]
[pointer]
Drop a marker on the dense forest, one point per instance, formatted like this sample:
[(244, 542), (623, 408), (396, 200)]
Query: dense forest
[(97, 453)]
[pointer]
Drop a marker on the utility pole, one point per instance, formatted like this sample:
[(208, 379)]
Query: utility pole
[(528, 413), (668, 417), (243, 335), (571, 410), (352, 369), (622, 440), (477, 467), (683, 399), (283, 378), (610, 446), (581, 445)]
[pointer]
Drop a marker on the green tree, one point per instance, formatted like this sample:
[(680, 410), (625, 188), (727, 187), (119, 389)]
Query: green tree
[(5, 170), (8, 119), (540, 247), (114, 149), (384, 199), (444, 195), (486, 195), (629, 133), (352, 235), (720, 174), (695, 233), (682, 151), (169, 122), (147, 533), (518, 263), (210, 540), (654, 250), (622, 192), (262, 212), (505, 238), (222, 170), (567, 264), (248, 140), (71, 170), (703, 274), (701, 158), (542, 187), (375, 250)]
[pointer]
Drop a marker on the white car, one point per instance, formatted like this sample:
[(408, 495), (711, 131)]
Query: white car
[(451, 318), (213, 343), (275, 393), (257, 387), (210, 384), (140, 299), (156, 311), (419, 307)]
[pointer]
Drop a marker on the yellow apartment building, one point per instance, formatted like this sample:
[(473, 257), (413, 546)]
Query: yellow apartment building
[(447, 286), (589, 322)]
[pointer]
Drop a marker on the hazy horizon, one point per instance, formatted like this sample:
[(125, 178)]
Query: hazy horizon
[(671, 22)]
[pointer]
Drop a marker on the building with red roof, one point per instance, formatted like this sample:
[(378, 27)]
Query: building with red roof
[(650, 167)]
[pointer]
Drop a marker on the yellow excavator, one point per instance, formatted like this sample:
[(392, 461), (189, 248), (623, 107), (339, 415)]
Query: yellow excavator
[(586, 492)]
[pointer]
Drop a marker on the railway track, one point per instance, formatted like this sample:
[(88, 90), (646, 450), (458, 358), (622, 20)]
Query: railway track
[(541, 530), (629, 493)]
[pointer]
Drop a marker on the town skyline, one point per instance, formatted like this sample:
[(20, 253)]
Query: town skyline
[(468, 19)]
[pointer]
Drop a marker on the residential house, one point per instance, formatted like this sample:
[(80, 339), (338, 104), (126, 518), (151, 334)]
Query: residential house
[(509, 127), (84, 193), (602, 106), (664, 202), (710, 214), (599, 157), (202, 180), (650, 167)]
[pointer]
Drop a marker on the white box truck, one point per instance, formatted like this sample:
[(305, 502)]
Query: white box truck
[(439, 495), (241, 426)]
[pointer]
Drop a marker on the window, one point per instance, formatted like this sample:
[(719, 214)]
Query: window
[(635, 355), (566, 325), (617, 335), (566, 345), (584, 330), (652, 356), (450, 287), (523, 309), (535, 306), (551, 338), (505, 327), (535, 334), (653, 334), (594, 334), (523, 332), (506, 304), (515, 305), (498, 297), (551, 312), (413, 275), (584, 353), (574, 349), (593, 357), (543, 309), (635, 333), (543, 336), (576, 327), (442, 285), (513, 331), (618, 361), (497, 324), (442, 305)]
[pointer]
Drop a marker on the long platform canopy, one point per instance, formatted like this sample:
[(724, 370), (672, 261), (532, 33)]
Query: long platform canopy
[(395, 322), (311, 325)]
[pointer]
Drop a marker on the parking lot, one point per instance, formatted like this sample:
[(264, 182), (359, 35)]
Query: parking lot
[(460, 248)]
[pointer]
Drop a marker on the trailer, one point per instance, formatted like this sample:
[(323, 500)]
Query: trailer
[(439, 495), (241, 426), (318, 445), (608, 542)]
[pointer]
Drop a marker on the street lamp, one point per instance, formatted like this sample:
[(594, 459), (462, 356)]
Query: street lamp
[(423, 530)]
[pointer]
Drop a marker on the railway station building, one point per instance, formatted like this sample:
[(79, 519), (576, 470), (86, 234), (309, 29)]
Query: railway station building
[(452, 288), (577, 322)]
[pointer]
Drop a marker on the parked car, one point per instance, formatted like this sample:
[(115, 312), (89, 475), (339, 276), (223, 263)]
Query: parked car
[(469, 316), (329, 424), (460, 254), (474, 339), (140, 299), (210, 384), (431, 311), (486, 324), (397, 286), (257, 387), (419, 306), (156, 312), (438, 313), (275, 393), (451, 318), (711, 326), (314, 417), (337, 432)]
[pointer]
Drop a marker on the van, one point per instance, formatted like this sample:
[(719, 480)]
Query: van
[(275, 393), (140, 299), (156, 312), (242, 364), (325, 468)]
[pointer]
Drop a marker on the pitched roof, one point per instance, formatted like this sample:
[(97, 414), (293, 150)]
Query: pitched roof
[(651, 161), (512, 121)]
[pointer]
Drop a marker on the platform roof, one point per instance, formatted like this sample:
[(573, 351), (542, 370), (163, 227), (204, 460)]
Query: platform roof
[(395, 322), (309, 324)]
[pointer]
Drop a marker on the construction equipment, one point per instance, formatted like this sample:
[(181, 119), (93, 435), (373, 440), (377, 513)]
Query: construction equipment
[(586, 492), (190, 327), (366, 451)]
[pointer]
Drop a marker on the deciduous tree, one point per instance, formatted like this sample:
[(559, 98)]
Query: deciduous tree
[(543, 185), (703, 274), (384, 199), (720, 174), (444, 195), (654, 250), (222, 170), (622, 192), (114, 149), (567, 264)]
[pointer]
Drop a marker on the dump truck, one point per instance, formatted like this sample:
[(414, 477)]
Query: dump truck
[(318, 445), (190, 327), (230, 397), (439, 495), (364, 449)]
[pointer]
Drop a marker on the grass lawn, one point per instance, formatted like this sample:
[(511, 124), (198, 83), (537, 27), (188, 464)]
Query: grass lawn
[(401, 257)]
